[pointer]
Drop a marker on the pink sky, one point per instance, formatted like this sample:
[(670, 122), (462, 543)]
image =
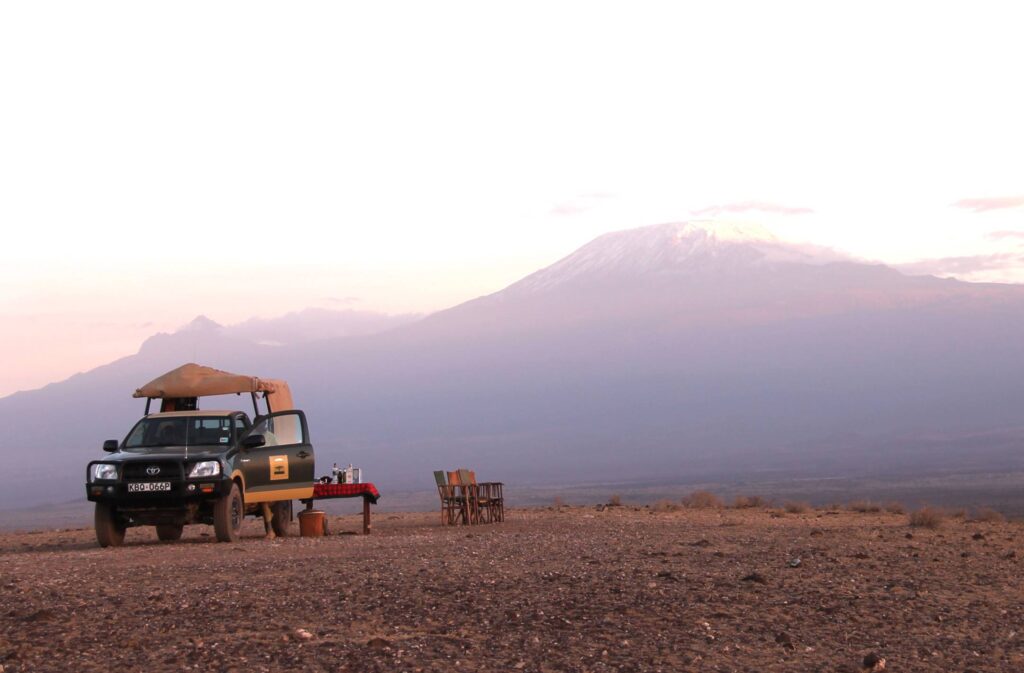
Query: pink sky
[(234, 160)]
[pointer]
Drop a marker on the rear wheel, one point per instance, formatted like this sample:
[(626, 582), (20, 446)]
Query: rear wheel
[(227, 515), (109, 527), (168, 532), (282, 516)]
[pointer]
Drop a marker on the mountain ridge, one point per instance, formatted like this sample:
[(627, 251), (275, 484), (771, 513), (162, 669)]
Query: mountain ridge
[(750, 366)]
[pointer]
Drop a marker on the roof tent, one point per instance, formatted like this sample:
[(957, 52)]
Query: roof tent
[(180, 388)]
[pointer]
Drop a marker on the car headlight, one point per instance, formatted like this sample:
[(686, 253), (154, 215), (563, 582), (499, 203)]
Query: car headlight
[(104, 472), (207, 468)]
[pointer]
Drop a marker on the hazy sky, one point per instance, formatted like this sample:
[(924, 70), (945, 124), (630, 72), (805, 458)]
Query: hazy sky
[(162, 160)]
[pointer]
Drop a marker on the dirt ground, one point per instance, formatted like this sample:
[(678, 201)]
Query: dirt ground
[(575, 589)]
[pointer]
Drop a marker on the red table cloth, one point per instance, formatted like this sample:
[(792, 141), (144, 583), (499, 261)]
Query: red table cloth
[(368, 491)]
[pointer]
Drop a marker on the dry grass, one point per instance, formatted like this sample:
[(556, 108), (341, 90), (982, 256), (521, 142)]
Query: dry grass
[(558, 502), (702, 500), (864, 507), (796, 507), (927, 517), (666, 506), (615, 500), (958, 513), (895, 508), (987, 515), (749, 502)]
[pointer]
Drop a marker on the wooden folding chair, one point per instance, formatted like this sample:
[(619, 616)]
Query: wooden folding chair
[(449, 504), (483, 499), (462, 497), (472, 493), (497, 500)]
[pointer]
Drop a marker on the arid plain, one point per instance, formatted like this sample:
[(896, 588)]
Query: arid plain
[(551, 589)]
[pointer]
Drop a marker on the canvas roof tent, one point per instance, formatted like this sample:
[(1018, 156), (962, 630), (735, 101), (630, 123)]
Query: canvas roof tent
[(191, 381)]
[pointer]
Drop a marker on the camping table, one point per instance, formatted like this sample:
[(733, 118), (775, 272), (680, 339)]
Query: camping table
[(368, 492)]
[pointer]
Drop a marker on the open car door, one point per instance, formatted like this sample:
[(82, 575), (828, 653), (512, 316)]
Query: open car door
[(282, 468)]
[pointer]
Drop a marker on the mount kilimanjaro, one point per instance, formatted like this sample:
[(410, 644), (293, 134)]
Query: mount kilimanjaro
[(668, 352)]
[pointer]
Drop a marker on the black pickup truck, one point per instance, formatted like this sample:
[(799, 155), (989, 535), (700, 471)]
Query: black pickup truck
[(211, 467)]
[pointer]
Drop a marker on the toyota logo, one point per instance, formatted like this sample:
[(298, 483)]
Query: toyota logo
[(153, 471)]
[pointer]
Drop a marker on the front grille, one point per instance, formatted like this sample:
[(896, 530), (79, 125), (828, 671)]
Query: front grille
[(139, 471)]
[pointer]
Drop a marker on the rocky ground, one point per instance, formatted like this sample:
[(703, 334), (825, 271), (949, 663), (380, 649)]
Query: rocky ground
[(574, 589)]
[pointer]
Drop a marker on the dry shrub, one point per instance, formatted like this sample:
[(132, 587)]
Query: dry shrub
[(894, 508), (749, 501), (615, 500), (796, 507), (702, 500), (864, 507), (927, 517), (987, 515), (666, 506), (558, 502), (959, 513)]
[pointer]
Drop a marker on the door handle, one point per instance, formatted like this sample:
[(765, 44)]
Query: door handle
[(302, 454)]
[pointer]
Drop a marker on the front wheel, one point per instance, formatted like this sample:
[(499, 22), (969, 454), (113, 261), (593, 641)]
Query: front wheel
[(227, 515), (109, 527), (168, 532)]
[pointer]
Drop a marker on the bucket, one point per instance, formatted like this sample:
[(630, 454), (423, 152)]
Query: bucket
[(311, 523)]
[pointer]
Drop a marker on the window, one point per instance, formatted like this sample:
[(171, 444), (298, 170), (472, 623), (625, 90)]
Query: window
[(180, 431), (281, 430)]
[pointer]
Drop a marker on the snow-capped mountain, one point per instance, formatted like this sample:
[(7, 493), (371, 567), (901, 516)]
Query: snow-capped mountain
[(665, 352), (676, 248)]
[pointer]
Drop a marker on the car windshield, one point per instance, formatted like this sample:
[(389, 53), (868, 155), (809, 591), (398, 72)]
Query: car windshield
[(180, 431)]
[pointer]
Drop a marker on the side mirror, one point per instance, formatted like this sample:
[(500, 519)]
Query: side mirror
[(111, 445), (253, 442)]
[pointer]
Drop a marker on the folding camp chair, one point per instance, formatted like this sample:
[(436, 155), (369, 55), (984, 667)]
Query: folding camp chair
[(495, 501), (472, 492), (484, 505), (458, 498), (450, 508)]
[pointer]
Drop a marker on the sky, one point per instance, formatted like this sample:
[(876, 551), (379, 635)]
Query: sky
[(164, 160)]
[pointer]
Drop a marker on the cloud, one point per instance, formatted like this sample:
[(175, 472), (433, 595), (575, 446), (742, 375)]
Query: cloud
[(745, 206), (1002, 235), (345, 301), (568, 209), (579, 204), (986, 204), (955, 266)]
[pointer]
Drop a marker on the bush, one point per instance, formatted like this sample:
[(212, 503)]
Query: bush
[(864, 507), (615, 500), (927, 517), (749, 501), (796, 507), (558, 502), (666, 506), (987, 515), (702, 500), (894, 508), (959, 513)]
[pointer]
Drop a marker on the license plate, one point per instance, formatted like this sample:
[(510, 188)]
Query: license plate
[(149, 486)]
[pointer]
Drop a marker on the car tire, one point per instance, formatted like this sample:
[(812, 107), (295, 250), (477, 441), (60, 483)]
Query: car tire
[(109, 527), (228, 513), (282, 516), (169, 532)]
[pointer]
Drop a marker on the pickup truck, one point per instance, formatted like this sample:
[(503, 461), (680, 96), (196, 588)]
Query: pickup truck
[(181, 467)]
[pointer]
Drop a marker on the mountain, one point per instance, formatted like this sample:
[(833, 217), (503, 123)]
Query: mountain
[(668, 352)]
